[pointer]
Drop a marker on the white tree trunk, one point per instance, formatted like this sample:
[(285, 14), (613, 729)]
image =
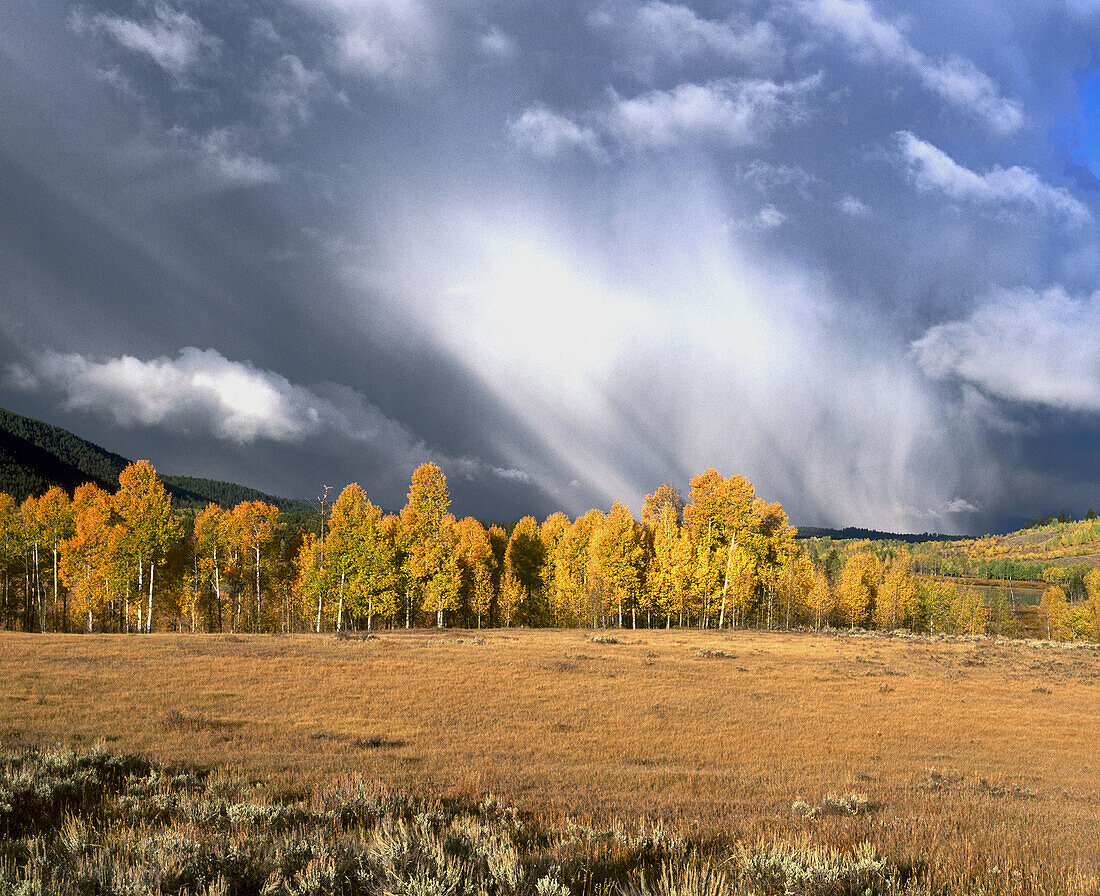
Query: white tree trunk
[(149, 612), (64, 622), (726, 583), (217, 587), (38, 592), (257, 550), (340, 609)]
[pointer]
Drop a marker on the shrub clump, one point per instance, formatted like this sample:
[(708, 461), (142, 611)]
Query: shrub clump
[(811, 871), (114, 826), (849, 804)]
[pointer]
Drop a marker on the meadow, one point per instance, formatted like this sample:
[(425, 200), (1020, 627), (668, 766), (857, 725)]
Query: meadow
[(966, 765)]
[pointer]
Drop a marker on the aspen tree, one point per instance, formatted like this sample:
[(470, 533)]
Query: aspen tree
[(376, 586), (523, 564), (424, 541), (212, 536), (822, 600), (32, 537), (897, 601), (346, 531), (551, 532), (442, 589), (796, 583), (476, 562), (1092, 603), (858, 588), (55, 523), (87, 562), (662, 516), (569, 590), (718, 511), (253, 524), (512, 597), (619, 559), (1053, 609), (310, 566), (11, 545), (149, 526)]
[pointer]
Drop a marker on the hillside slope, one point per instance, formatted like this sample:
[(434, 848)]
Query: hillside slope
[(35, 455)]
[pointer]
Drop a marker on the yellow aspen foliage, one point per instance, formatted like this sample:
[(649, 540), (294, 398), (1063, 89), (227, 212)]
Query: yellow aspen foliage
[(149, 528), (362, 559), (253, 524), (309, 583), (569, 589), (88, 562), (512, 597), (796, 584), (55, 522), (523, 562), (662, 517), (1089, 628), (551, 532), (617, 561), (1053, 610), (719, 511), (427, 548), (898, 602), (970, 614), (857, 589), (212, 537), (442, 590), (822, 600), (477, 564)]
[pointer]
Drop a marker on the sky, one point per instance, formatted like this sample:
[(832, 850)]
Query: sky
[(568, 251)]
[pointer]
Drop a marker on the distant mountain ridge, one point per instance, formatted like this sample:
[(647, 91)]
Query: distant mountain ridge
[(850, 532), (35, 456)]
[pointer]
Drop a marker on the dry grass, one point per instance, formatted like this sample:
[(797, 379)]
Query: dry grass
[(977, 761)]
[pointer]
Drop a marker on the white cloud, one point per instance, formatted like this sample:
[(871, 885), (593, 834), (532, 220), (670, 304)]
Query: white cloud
[(122, 85), (960, 505), (1036, 348), (768, 218), (495, 44), (19, 378), (955, 80), (201, 392), (656, 34), (547, 135), (767, 178), (223, 160), (733, 112), (394, 42), (854, 207), (933, 170), (692, 349), (292, 90), (173, 40)]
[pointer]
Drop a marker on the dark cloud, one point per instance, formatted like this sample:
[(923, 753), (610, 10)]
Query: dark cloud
[(570, 251)]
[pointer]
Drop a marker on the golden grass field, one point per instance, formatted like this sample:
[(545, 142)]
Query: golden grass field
[(979, 758)]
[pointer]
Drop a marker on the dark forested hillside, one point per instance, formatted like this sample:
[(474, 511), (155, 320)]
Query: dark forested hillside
[(35, 455), (854, 532)]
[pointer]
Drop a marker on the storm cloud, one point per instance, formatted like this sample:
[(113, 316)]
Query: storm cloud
[(569, 251)]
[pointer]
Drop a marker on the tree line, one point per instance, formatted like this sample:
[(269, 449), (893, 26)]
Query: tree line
[(129, 562)]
